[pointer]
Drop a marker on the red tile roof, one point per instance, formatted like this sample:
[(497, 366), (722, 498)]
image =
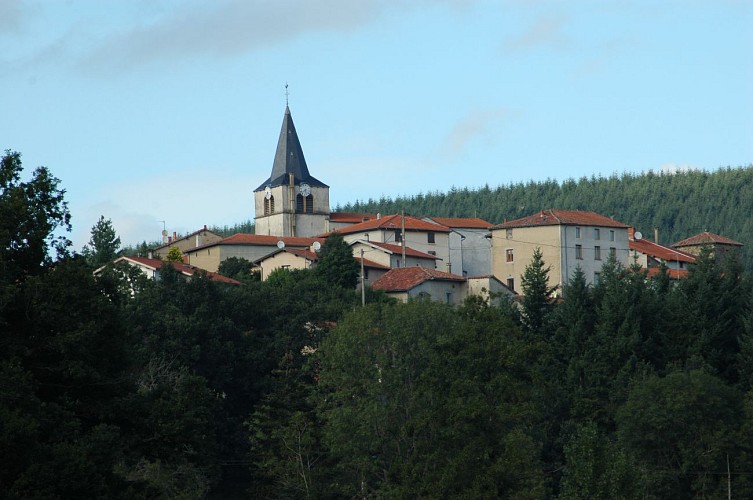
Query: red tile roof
[(706, 238), (659, 251), (262, 240), (351, 218), (562, 217), (460, 222), (300, 252), (181, 238), (371, 264), (674, 274), (392, 222), (184, 269), (397, 249), (406, 278)]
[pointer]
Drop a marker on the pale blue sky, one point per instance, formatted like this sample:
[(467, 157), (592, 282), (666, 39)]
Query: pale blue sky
[(152, 110)]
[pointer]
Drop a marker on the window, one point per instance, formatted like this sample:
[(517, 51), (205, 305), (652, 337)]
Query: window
[(579, 252), (430, 237), (597, 278), (269, 205), (511, 283), (398, 236), (449, 297), (304, 204), (597, 233), (508, 234), (577, 232), (509, 255), (613, 252), (432, 252), (597, 253), (611, 235)]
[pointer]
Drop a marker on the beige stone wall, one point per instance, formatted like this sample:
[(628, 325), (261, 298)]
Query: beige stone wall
[(282, 260), (558, 246), (280, 222), (206, 258), (523, 242), (439, 290)]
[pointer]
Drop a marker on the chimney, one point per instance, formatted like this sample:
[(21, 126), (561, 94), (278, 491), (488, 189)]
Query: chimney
[(656, 235), (379, 216), (631, 233), (175, 235), (151, 254)]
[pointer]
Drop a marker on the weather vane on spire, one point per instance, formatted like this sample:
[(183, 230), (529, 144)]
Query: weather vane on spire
[(286, 93)]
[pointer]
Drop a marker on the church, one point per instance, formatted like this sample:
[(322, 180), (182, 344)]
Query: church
[(291, 202)]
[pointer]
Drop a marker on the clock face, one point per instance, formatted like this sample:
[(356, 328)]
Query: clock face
[(305, 189), (267, 192)]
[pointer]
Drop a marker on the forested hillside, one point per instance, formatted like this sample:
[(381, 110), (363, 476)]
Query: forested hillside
[(679, 204), (123, 387)]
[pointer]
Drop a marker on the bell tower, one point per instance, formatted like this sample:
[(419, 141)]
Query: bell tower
[(291, 202)]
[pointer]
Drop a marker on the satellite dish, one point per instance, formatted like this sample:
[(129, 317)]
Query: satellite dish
[(638, 236), (281, 244), (164, 232), (316, 246)]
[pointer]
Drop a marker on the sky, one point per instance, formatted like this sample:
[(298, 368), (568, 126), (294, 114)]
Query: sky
[(169, 110)]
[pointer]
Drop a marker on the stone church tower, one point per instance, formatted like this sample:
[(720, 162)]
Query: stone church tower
[(291, 202)]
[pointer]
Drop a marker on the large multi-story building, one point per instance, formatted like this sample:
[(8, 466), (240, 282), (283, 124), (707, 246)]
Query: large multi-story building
[(567, 239)]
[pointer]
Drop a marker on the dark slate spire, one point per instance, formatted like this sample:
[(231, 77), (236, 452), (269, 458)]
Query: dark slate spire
[(289, 158)]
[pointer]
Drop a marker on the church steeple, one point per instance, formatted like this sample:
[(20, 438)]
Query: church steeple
[(291, 202), (289, 158)]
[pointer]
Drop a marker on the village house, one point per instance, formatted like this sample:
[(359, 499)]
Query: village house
[(152, 268), (651, 255), (299, 258), (422, 236), (470, 244), (567, 239), (251, 247), (420, 283), (184, 243), (720, 246)]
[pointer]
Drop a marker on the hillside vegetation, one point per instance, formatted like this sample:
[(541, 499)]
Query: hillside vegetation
[(120, 386), (679, 204)]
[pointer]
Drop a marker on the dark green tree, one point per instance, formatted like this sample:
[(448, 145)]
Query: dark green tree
[(420, 401), (237, 268), (537, 295), (336, 265), (679, 430), (596, 467), (104, 243), (30, 212)]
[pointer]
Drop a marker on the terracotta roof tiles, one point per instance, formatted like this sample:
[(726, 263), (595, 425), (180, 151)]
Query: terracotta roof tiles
[(461, 222), (393, 222), (659, 251), (405, 278), (397, 249), (185, 269), (562, 217), (706, 238)]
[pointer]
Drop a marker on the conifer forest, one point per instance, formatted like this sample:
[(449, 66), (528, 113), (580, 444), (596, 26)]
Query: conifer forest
[(123, 387)]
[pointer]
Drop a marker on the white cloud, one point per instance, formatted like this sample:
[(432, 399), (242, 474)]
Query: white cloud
[(547, 31), (478, 124), (674, 168), (184, 200)]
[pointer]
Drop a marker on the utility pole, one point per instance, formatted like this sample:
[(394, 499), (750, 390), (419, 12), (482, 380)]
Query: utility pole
[(402, 234), (363, 283)]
